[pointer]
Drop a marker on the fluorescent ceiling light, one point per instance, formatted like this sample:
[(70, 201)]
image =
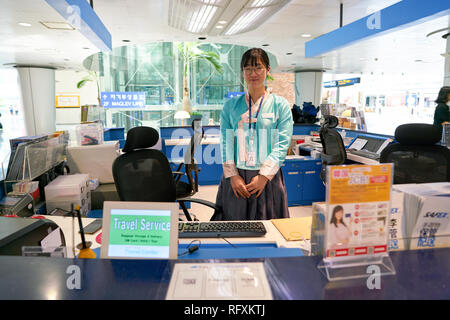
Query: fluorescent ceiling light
[(203, 16), (195, 16), (24, 24), (57, 25), (306, 35), (254, 14), (219, 27)]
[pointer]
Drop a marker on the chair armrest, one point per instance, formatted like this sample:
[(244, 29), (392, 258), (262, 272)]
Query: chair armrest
[(200, 201)]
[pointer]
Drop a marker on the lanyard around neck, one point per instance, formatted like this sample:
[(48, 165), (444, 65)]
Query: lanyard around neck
[(250, 111)]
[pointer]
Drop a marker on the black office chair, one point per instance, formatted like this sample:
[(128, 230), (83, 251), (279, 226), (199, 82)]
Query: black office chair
[(416, 156), (191, 170), (333, 149), (142, 174)]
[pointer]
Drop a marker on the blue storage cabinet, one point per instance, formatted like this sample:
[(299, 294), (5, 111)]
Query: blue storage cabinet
[(111, 134), (210, 166), (303, 183)]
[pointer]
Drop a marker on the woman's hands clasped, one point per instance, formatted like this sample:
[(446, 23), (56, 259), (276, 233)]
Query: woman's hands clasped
[(256, 185)]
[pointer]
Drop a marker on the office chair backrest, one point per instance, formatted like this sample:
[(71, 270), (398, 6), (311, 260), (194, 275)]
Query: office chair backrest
[(142, 174), (333, 149), (415, 155)]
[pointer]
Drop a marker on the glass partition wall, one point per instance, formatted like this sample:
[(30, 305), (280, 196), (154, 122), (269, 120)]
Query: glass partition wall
[(157, 69)]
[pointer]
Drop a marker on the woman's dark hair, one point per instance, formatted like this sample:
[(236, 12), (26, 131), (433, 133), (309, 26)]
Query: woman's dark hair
[(443, 95), (251, 57), (333, 217)]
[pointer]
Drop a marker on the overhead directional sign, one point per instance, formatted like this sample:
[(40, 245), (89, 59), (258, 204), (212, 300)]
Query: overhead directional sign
[(126, 99), (400, 15), (341, 83)]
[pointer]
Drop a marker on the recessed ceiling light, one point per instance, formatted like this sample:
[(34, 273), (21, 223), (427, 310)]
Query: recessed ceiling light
[(57, 25), (266, 45), (289, 53), (24, 24), (126, 40), (222, 22), (219, 27), (201, 38), (306, 35)]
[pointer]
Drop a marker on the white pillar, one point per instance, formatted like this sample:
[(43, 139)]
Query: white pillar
[(37, 87), (308, 87), (447, 64)]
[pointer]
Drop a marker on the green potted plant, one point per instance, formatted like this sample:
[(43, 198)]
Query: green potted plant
[(191, 52), (92, 76)]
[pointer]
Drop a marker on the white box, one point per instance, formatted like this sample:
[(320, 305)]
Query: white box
[(67, 187), (94, 160)]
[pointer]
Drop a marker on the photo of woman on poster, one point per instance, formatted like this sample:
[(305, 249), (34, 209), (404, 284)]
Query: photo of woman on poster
[(339, 232)]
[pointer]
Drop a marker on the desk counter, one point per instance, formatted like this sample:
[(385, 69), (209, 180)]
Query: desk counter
[(421, 274)]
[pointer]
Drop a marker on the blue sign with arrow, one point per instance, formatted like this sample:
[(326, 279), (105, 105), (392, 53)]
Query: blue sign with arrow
[(126, 99)]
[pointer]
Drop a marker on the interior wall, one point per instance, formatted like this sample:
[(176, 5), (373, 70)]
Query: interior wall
[(283, 85), (66, 83)]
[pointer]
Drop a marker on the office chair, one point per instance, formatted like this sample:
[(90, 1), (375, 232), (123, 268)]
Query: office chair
[(191, 169), (142, 174), (333, 150), (416, 156)]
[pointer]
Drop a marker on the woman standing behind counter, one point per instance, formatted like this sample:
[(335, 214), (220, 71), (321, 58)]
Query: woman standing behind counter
[(256, 130), (442, 112)]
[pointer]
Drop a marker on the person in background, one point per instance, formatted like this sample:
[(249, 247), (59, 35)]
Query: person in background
[(442, 111), (256, 130)]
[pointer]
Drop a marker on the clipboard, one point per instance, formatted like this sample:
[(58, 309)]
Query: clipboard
[(294, 229)]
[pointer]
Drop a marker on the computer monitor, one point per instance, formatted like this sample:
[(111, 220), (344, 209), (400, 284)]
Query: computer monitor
[(139, 230), (371, 144)]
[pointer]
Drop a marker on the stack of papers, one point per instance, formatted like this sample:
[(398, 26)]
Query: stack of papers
[(426, 208)]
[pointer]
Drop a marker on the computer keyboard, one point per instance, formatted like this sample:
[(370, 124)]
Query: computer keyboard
[(366, 154), (224, 229)]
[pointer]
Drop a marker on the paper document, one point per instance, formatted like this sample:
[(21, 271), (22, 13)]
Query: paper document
[(294, 228), (219, 281), (52, 241), (358, 144)]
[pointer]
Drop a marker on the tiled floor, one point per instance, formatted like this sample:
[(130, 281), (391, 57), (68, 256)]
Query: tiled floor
[(209, 193)]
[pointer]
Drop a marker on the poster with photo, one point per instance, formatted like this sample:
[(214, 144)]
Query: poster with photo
[(358, 209)]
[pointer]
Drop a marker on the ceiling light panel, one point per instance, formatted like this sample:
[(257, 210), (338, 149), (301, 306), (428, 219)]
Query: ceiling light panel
[(254, 14), (57, 25), (195, 16)]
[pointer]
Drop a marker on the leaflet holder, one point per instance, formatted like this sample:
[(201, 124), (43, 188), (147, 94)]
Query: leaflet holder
[(357, 267), (353, 227)]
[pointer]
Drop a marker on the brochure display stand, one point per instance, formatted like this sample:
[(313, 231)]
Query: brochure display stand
[(356, 222)]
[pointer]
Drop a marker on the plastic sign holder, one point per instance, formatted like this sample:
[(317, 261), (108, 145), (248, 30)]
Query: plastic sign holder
[(356, 222)]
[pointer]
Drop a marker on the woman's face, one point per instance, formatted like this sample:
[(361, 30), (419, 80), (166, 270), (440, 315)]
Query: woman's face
[(255, 75), (339, 215)]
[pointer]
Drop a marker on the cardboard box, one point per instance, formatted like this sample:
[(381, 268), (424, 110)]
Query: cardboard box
[(95, 160)]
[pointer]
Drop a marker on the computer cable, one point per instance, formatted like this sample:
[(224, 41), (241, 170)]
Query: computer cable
[(191, 249), (230, 243)]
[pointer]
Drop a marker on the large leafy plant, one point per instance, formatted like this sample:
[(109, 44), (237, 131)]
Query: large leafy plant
[(191, 52), (92, 76)]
